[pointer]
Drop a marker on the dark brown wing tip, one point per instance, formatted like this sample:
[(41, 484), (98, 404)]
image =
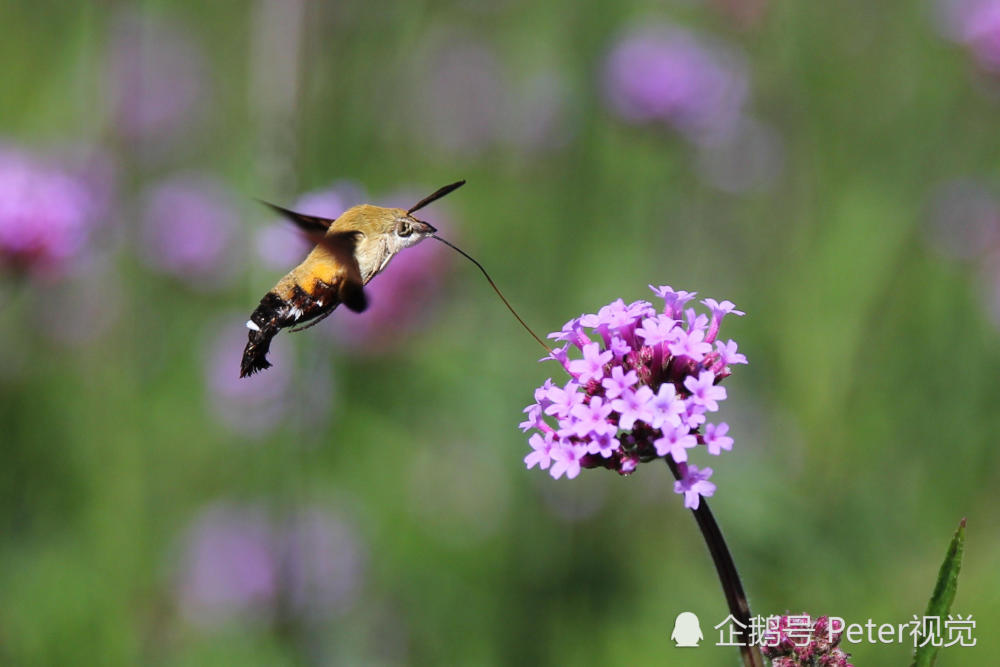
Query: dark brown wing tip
[(352, 295), (309, 223)]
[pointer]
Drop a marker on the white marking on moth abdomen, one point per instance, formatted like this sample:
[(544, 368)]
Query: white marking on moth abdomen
[(295, 312), (252, 326)]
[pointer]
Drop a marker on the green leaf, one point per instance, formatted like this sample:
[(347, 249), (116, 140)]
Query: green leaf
[(944, 594)]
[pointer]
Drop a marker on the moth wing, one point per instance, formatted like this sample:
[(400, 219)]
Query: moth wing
[(311, 224), (347, 283)]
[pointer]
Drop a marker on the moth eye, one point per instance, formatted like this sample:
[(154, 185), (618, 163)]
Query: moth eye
[(404, 229)]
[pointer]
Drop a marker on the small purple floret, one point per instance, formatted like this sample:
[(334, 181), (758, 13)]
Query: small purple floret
[(541, 454), (675, 442), (566, 460), (716, 439), (704, 391), (591, 367), (694, 484)]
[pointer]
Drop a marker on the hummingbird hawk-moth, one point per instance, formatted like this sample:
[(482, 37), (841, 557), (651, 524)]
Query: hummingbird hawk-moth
[(350, 251)]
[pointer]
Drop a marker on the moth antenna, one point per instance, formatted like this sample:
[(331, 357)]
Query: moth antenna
[(437, 194), (492, 284)]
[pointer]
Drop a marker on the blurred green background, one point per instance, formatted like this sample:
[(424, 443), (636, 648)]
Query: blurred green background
[(830, 167)]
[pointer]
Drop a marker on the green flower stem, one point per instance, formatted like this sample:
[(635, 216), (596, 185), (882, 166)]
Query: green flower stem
[(724, 565)]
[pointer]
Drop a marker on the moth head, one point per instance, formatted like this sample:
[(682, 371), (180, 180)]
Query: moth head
[(407, 230), (392, 228)]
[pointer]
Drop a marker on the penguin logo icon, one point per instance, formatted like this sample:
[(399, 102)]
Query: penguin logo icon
[(687, 631)]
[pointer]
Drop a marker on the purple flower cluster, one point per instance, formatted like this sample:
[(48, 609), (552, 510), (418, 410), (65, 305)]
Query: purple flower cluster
[(639, 391), (818, 646)]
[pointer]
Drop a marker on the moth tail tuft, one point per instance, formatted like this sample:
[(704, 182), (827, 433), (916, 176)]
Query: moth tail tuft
[(263, 326), (255, 353)]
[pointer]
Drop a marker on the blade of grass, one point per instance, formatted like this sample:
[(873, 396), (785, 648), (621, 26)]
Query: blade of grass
[(944, 594)]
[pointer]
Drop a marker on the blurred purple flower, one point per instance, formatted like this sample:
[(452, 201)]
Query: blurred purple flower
[(467, 100), (463, 99), (667, 74), (540, 116), (963, 219), (228, 565), (332, 201), (239, 562), (299, 396), (281, 245), (750, 159), (976, 24), (323, 562), (47, 213), (251, 406), (189, 227), (402, 298), (157, 74)]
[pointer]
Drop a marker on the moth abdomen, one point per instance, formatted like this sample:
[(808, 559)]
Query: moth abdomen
[(275, 313)]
